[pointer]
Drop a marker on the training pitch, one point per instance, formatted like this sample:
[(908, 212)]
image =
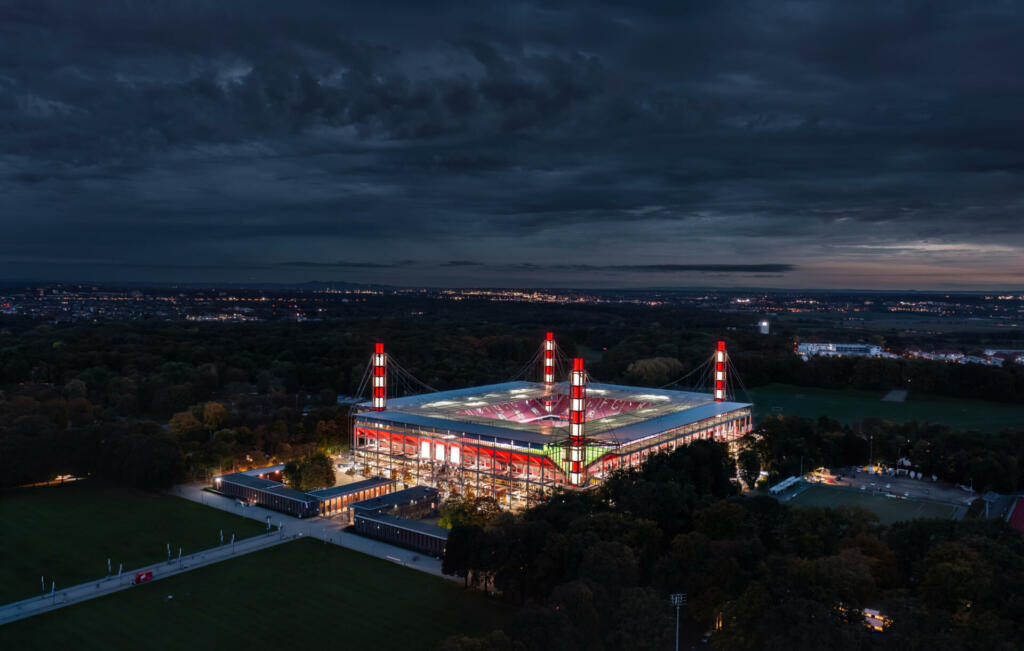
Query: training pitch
[(300, 595), (66, 533), (888, 509)]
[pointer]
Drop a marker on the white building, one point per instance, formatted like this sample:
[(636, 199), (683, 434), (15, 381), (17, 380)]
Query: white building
[(808, 350)]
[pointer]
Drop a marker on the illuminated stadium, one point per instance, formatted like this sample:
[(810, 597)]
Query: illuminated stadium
[(519, 440)]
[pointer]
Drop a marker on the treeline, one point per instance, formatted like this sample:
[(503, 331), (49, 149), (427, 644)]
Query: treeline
[(224, 395), (41, 438), (665, 354), (594, 570), (988, 461)]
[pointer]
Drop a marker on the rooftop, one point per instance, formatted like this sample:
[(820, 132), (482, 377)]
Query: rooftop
[(525, 411), (414, 494), (408, 523), (267, 485), (266, 470), (348, 489)]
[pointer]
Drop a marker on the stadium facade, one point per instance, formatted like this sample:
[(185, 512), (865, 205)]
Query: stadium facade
[(518, 441)]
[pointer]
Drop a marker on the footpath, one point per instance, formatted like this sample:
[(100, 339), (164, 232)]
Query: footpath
[(329, 530), (84, 591)]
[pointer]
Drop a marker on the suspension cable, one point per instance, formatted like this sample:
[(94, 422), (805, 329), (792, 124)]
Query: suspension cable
[(365, 379)]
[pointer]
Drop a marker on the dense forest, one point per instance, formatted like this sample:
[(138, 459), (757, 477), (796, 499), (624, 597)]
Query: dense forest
[(594, 570), (150, 403)]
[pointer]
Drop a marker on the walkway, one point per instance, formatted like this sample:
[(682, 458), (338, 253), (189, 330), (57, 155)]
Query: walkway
[(83, 592), (326, 529)]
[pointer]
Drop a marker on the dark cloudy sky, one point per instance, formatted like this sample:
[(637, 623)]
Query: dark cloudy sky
[(786, 144)]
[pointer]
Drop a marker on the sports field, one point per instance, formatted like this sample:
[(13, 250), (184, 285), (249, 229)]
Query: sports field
[(302, 594), (66, 533), (852, 406), (888, 509)]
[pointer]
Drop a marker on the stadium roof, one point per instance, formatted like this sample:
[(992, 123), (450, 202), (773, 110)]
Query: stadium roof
[(644, 412)]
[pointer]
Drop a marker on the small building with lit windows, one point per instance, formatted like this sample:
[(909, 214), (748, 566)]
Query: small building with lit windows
[(411, 534), (336, 499), (253, 487), (415, 502)]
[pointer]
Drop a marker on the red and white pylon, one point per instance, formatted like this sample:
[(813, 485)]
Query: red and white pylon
[(549, 372), (549, 360), (577, 416), (720, 372), (380, 378)]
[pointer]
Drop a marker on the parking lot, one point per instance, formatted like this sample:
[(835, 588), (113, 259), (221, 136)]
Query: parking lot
[(917, 489)]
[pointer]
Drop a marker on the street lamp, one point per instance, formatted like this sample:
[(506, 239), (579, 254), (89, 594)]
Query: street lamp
[(678, 600)]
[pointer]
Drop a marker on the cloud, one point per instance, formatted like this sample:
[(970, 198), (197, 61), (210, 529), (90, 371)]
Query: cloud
[(604, 140), (305, 264)]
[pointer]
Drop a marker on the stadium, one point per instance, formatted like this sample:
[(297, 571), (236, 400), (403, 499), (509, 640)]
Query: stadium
[(518, 441)]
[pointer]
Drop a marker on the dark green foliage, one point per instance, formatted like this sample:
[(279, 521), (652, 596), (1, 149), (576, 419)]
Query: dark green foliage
[(310, 473), (990, 461), (594, 570)]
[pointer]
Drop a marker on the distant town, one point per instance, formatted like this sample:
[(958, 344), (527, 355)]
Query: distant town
[(94, 302)]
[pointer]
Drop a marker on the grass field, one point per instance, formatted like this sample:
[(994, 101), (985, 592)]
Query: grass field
[(851, 406), (889, 510), (301, 594), (66, 533)]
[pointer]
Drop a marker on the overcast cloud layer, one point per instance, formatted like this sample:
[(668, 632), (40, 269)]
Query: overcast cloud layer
[(789, 144)]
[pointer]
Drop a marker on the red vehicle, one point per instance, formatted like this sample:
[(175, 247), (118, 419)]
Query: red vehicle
[(142, 577)]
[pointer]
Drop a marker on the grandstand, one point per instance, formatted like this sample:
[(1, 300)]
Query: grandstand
[(517, 441)]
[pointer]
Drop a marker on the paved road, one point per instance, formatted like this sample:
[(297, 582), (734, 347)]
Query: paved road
[(83, 592), (327, 529)]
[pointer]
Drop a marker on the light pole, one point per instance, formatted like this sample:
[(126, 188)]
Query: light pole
[(678, 600)]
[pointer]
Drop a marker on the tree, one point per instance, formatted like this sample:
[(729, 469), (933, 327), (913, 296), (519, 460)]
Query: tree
[(310, 473), (466, 511), (317, 472), (459, 551), (293, 474), (493, 641), (654, 371), (184, 424), (750, 467), (214, 414)]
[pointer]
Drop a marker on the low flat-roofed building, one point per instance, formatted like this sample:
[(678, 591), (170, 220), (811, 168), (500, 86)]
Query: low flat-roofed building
[(267, 472), (415, 502), (268, 493), (403, 532), (336, 499)]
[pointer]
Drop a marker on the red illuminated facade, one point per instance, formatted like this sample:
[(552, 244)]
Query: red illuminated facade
[(519, 441)]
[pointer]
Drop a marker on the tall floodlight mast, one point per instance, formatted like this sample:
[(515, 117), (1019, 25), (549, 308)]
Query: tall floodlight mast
[(549, 361), (380, 378), (720, 372), (577, 415), (549, 372)]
